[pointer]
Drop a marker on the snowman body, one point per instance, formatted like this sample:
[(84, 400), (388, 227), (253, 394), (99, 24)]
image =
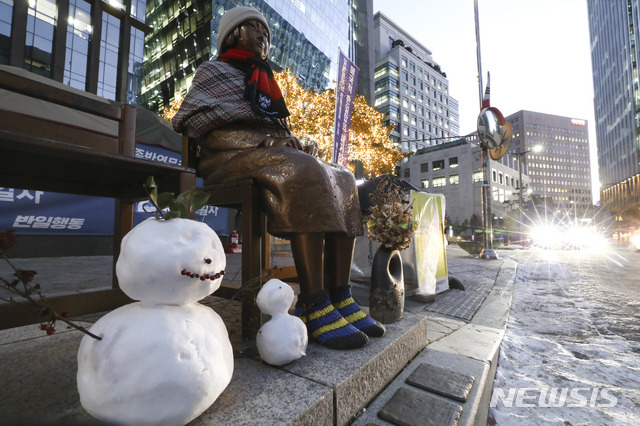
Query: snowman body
[(283, 338), (166, 358)]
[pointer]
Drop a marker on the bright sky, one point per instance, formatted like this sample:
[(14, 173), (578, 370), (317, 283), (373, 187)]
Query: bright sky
[(537, 52)]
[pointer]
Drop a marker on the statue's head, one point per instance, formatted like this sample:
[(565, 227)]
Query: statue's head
[(244, 28)]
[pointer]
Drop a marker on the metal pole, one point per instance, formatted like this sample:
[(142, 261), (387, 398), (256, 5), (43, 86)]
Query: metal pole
[(487, 223), (521, 195)]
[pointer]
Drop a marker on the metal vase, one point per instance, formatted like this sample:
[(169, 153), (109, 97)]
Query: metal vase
[(386, 297)]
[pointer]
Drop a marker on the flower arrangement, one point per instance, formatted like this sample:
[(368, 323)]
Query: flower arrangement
[(389, 221)]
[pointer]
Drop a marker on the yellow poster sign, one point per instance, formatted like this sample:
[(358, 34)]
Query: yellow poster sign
[(429, 243)]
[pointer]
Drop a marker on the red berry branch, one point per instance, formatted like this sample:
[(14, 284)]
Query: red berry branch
[(23, 285)]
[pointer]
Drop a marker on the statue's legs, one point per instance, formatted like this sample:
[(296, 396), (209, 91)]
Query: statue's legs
[(324, 323), (332, 316), (338, 255), (308, 254)]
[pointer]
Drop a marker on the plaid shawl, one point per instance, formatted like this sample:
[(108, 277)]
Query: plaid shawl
[(216, 99)]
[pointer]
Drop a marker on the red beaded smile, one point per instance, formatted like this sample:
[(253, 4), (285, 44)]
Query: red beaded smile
[(203, 277)]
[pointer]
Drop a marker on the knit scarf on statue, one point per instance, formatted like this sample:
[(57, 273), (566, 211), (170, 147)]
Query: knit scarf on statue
[(262, 90)]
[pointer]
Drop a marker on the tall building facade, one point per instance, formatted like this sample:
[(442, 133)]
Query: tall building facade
[(614, 59), (454, 169), (548, 153), (557, 160), (361, 54), (92, 45), (306, 37), (411, 88)]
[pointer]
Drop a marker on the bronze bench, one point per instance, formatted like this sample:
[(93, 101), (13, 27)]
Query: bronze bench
[(256, 269), (40, 153)]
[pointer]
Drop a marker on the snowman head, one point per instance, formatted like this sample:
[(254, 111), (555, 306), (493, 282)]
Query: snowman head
[(176, 261), (275, 297)]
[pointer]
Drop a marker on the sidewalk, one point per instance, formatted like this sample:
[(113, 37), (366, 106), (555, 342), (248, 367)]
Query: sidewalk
[(435, 366)]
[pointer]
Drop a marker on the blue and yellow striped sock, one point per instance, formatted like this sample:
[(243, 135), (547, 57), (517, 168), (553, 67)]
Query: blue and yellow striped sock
[(325, 325), (350, 310)]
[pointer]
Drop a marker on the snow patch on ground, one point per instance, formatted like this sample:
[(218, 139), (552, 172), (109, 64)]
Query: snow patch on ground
[(552, 347)]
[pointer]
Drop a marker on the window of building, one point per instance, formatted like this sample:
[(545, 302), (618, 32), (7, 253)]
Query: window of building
[(109, 47), (453, 162), (134, 71), (425, 183), (382, 98), (495, 176), (407, 173), (405, 117), (477, 176), (78, 33), (454, 179), (38, 43), (441, 181), (500, 178), (437, 165)]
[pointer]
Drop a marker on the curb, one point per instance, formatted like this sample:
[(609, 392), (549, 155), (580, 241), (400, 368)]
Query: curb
[(471, 349)]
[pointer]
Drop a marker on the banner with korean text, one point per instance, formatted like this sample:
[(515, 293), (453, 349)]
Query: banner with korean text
[(31, 212), (345, 94)]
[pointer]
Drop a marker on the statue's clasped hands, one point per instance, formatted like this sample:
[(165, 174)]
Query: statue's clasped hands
[(291, 142)]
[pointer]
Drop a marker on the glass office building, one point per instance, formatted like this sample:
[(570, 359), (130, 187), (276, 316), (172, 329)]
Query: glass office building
[(95, 46), (614, 59), (305, 37)]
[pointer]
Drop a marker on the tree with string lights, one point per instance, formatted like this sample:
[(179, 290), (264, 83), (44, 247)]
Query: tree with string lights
[(312, 118)]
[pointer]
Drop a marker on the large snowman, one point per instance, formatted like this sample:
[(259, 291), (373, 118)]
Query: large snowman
[(166, 358)]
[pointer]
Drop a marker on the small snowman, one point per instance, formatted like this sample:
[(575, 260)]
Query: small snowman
[(166, 358), (283, 338)]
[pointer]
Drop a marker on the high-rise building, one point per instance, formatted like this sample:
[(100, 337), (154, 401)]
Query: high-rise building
[(361, 40), (614, 59), (306, 37), (95, 46), (557, 160), (411, 88)]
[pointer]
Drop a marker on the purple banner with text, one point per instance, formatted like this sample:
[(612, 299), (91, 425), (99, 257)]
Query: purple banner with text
[(345, 94)]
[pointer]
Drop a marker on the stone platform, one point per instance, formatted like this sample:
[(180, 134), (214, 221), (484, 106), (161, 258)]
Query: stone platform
[(460, 331)]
